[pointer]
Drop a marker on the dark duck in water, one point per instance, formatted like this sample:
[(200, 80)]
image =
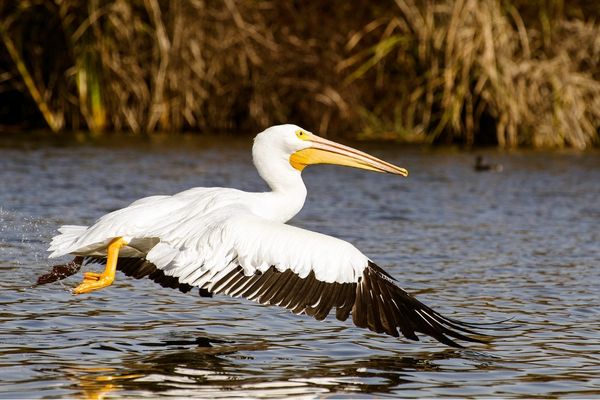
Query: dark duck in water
[(481, 166)]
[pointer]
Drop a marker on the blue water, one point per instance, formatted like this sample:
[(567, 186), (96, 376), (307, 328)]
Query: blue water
[(523, 243)]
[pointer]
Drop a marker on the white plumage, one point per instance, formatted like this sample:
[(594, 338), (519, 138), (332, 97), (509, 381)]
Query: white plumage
[(228, 241), (200, 229)]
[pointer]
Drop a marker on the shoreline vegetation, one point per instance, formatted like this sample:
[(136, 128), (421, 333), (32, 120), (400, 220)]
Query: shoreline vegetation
[(509, 73)]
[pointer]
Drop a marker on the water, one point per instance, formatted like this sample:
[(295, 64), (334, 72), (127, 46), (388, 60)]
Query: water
[(523, 243)]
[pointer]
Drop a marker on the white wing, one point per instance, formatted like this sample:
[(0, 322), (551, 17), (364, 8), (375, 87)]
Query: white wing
[(200, 253)]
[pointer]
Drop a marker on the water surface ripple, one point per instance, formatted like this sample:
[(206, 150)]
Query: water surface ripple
[(523, 243)]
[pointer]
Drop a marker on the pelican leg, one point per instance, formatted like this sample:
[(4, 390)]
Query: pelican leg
[(94, 281)]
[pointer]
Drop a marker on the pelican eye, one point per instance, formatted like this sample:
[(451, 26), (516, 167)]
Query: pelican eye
[(302, 135)]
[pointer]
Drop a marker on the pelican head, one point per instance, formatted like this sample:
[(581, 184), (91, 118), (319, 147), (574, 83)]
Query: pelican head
[(301, 148)]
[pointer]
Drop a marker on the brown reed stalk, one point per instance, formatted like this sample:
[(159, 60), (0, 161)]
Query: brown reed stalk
[(53, 119)]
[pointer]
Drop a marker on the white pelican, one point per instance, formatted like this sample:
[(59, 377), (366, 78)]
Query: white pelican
[(226, 241)]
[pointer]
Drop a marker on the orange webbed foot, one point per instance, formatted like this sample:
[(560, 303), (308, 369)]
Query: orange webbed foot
[(94, 281)]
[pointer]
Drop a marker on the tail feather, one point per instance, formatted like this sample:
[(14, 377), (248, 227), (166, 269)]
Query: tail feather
[(63, 243)]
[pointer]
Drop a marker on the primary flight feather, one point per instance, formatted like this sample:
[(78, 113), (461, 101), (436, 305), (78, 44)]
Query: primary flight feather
[(227, 241)]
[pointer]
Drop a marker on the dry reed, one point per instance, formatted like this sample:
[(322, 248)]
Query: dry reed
[(463, 66), (462, 71)]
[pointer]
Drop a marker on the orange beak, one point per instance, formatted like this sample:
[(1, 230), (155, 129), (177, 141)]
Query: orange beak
[(323, 151)]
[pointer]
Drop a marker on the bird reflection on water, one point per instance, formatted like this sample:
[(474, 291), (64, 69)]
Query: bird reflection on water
[(223, 371)]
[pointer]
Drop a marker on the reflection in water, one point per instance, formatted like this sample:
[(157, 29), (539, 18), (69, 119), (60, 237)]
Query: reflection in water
[(522, 244), (96, 383), (205, 372)]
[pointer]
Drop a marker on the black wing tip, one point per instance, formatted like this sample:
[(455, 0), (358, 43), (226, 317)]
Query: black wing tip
[(442, 338), (398, 310), (448, 334), (488, 326)]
